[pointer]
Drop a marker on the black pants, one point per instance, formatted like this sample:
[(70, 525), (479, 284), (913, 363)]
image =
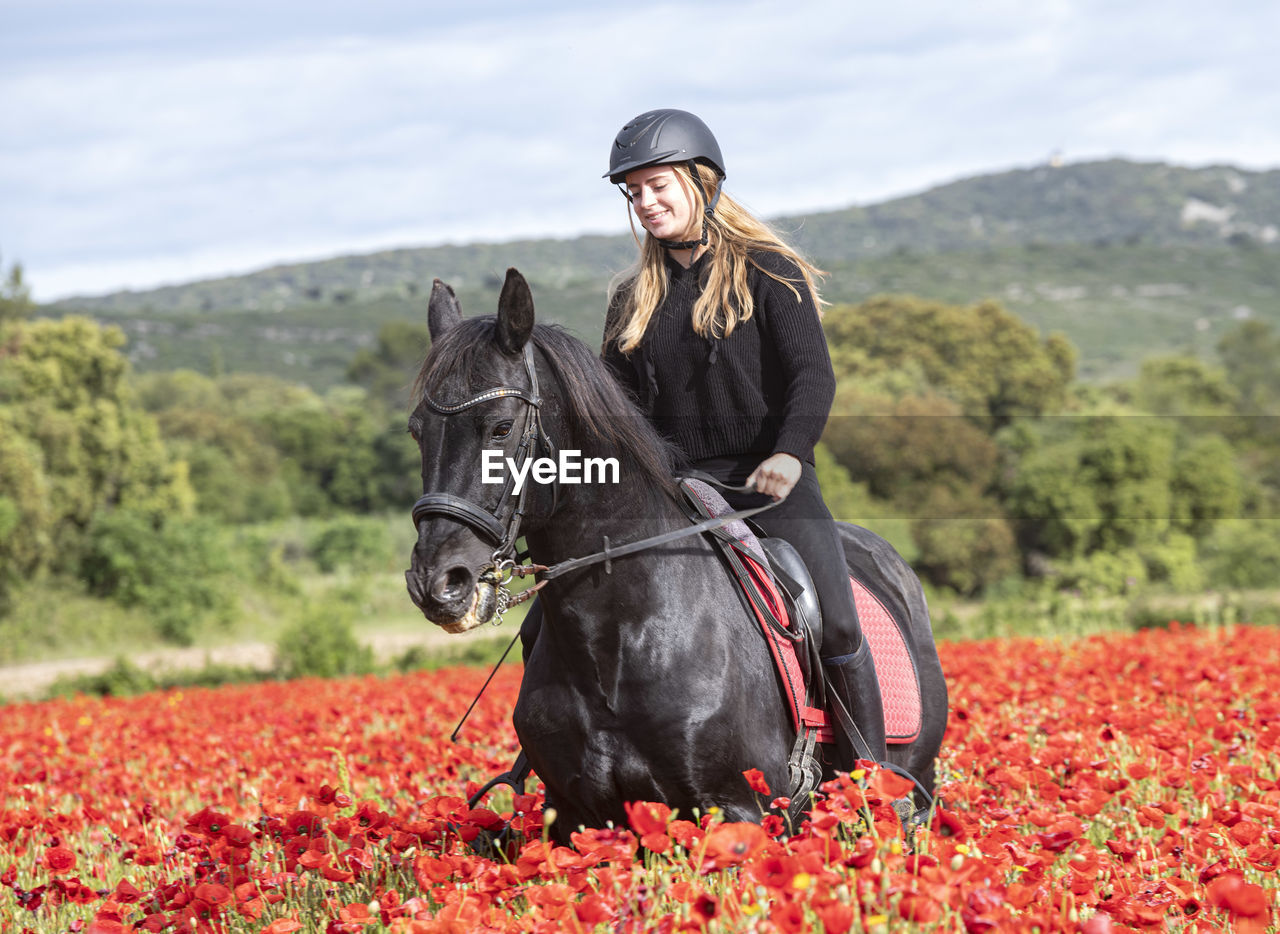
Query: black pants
[(804, 520)]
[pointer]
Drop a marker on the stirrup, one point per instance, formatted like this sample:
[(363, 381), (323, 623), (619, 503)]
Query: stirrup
[(514, 778), (491, 844)]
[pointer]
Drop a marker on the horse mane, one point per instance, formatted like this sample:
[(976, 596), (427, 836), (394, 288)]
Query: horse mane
[(602, 419)]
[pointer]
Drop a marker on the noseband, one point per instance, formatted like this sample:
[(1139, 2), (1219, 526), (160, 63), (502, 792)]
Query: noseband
[(502, 532)]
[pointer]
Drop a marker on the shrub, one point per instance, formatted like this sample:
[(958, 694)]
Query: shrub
[(1173, 562), (351, 543), (322, 645), (1103, 573), (169, 568), (963, 542), (1243, 554)]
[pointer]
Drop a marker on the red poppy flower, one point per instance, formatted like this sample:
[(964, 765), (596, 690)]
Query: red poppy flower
[(704, 908), (647, 816), (836, 917), (1240, 898), (886, 786), (104, 923), (594, 909), (755, 779), (208, 822), (213, 893), (685, 833), (283, 926), (731, 844), (59, 860)]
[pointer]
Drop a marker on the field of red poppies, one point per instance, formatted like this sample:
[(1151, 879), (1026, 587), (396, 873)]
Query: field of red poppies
[(1121, 782)]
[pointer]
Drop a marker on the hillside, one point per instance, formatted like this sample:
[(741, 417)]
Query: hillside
[(1125, 258)]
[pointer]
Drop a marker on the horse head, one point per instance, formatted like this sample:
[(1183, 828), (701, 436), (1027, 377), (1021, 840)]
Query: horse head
[(479, 413)]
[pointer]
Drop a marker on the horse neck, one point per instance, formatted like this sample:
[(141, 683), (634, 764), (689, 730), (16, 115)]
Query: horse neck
[(586, 515), (589, 618)]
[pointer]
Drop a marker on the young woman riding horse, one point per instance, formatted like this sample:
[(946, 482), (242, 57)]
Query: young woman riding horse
[(715, 332)]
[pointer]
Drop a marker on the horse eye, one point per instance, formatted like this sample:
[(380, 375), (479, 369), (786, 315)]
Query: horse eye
[(502, 429)]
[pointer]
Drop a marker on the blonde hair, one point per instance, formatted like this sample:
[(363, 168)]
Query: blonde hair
[(726, 301)]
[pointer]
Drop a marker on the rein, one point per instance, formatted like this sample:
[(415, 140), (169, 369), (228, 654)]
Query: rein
[(608, 553)]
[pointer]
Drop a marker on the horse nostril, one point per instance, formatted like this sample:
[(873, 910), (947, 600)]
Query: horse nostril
[(453, 585)]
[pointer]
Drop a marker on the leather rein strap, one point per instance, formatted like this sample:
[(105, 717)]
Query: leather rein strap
[(608, 553)]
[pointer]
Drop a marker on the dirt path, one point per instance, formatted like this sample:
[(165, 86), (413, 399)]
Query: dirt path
[(30, 680)]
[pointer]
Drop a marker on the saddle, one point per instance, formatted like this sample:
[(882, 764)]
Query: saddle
[(779, 590)]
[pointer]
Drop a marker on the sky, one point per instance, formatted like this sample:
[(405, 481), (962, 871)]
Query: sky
[(147, 142)]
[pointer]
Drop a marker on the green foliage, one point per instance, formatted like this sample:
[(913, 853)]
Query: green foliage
[(233, 467), (906, 447), (1243, 554), (1183, 385), (986, 360), (1087, 484), (352, 543), (1206, 486), (1102, 573), (1172, 562), (322, 645), (963, 542), (847, 501), (1250, 354), (260, 448), (26, 533), (331, 454), (125, 679), (388, 370), (15, 296), (122, 679), (472, 652), (171, 568), (73, 444)]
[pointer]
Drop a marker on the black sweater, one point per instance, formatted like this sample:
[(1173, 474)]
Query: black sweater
[(766, 388)]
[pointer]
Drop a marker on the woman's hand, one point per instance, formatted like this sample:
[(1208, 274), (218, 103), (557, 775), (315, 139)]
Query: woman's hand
[(776, 475)]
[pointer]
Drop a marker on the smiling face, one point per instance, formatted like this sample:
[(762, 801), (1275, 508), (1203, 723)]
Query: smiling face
[(663, 202)]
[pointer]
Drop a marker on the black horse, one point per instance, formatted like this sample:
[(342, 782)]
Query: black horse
[(648, 681)]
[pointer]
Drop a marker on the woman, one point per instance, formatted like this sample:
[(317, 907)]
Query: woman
[(716, 332)]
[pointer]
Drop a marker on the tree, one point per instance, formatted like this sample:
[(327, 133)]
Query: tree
[(388, 370), (1186, 386), (76, 442), (904, 447), (985, 359), (1128, 487), (25, 508), (15, 296), (1251, 357), (936, 466), (964, 541)]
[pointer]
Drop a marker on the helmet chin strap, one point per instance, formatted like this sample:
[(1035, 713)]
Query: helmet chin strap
[(707, 212)]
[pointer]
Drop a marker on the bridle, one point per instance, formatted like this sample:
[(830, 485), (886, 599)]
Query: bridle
[(489, 523)]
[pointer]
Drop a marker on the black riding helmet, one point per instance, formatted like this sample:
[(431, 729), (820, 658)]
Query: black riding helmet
[(663, 137)]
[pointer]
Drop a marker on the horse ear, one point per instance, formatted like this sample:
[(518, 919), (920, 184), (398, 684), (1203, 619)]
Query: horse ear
[(515, 313), (443, 310)]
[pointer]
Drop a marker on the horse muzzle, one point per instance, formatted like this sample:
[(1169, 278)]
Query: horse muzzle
[(456, 600)]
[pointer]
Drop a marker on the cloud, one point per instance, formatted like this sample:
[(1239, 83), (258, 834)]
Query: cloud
[(190, 140)]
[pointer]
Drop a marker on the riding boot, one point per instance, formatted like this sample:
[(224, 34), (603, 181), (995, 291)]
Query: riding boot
[(529, 629), (853, 681)]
